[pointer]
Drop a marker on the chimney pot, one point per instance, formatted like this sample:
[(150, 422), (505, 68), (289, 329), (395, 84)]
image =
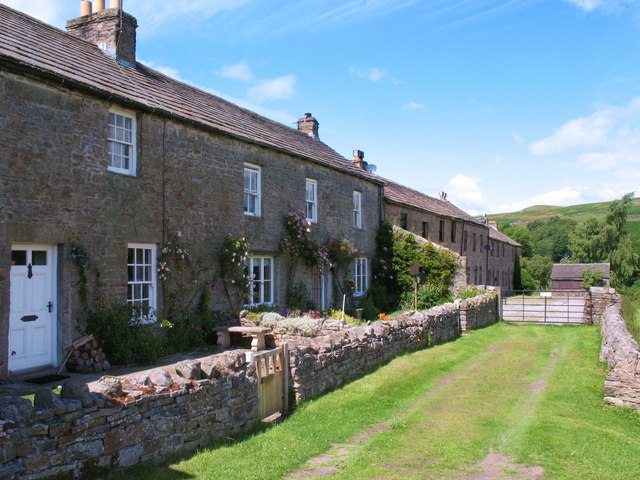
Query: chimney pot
[(115, 4), (443, 196), (85, 8), (309, 125), (98, 6), (358, 159)]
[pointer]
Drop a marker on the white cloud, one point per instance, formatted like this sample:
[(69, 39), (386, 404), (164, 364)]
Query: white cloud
[(159, 13), (280, 88), (152, 15), (613, 6), (413, 106), (586, 5), (373, 74), (561, 197), (578, 133), (608, 138), (237, 71), (517, 138), (47, 11), (466, 191)]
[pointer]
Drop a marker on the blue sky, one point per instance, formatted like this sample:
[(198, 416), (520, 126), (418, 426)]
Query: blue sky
[(502, 104)]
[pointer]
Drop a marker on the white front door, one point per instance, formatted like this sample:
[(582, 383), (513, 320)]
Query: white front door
[(32, 312)]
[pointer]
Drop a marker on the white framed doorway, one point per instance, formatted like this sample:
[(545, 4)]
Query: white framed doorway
[(32, 310)]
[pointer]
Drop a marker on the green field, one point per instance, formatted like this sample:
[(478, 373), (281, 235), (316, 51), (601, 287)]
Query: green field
[(507, 401), (574, 212)]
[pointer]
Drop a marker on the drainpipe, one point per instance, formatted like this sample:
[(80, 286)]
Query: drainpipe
[(381, 204)]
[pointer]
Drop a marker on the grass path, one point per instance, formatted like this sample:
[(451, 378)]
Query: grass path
[(516, 399)]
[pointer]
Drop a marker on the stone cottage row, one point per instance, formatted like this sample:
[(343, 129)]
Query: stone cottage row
[(104, 160)]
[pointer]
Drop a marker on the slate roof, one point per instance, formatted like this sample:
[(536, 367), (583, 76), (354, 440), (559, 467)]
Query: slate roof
[(501, 237), (39, 49), (573, 271), (396, 193)]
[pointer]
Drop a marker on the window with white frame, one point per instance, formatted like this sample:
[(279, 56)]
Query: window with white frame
[(311, 200), (122, 142), (357, 209), (360, 276), (141, 278), (252, 190), (260, 271)]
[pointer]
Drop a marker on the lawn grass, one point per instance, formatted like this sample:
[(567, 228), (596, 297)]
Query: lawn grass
[(529, 391)]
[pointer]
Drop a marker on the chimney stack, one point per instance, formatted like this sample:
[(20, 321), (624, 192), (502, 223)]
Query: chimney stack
[(309, 125), (443, 196), (493, 224), (112, 30), (358, 159)]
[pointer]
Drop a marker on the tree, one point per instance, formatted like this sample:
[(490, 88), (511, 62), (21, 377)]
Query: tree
[(526, 279), (587, 243), (550, 237), (536, 272), (606, 240), (520, 234)]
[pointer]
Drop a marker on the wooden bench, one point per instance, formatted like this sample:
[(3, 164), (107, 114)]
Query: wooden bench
[(257, 334)]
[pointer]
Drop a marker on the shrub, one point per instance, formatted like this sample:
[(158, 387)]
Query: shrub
[(297, 296), (369, 309), (428, 296), (592, 278), (233, 256), (468, 292), (193, 329), (121, 331)]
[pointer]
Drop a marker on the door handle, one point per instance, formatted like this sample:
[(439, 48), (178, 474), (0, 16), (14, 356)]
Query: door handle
[(49, 306)]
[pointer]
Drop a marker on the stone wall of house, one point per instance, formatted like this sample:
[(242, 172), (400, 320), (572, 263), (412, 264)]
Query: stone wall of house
[(622, 353), (55, 187), (474, 252), (327, 362), (80, 434), (501, 264)]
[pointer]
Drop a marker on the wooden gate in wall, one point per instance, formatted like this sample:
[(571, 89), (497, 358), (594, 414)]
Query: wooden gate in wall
[(272, 370)]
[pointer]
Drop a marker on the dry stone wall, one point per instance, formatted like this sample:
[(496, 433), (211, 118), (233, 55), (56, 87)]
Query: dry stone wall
[(323, 363), (78, 434), (82, 432), (599, 299), (622, 353)]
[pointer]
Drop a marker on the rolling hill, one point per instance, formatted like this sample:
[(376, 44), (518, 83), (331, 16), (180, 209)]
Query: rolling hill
[(574, 212)]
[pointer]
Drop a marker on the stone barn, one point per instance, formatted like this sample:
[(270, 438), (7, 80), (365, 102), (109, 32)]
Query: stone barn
[(568, 276)]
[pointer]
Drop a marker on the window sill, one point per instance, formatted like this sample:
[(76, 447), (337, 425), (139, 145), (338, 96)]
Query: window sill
[(121, 171)]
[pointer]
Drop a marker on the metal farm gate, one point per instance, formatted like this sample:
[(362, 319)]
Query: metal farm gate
[(272, 369), (554, 307)]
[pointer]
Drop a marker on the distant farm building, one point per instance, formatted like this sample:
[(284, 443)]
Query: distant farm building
[(568, 276)]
